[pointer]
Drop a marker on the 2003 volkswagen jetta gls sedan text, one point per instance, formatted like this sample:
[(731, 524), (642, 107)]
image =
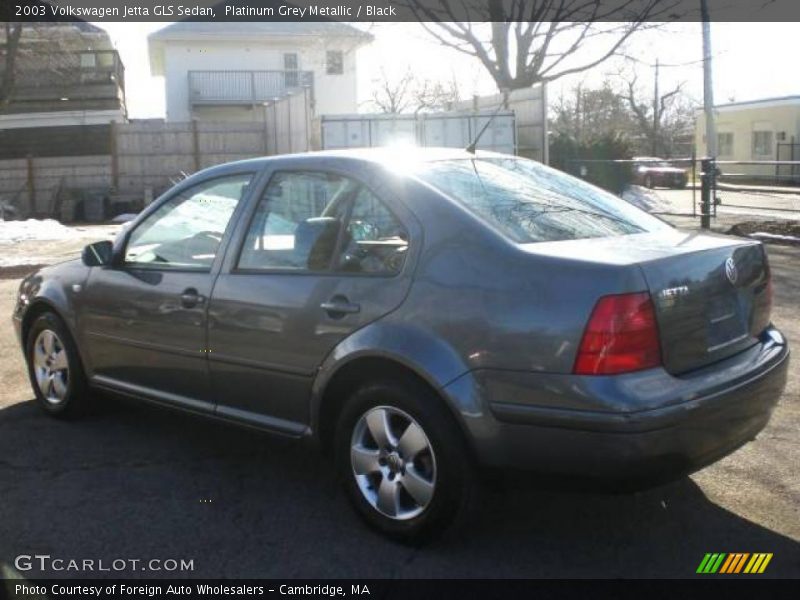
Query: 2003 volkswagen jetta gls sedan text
[(423, 318)]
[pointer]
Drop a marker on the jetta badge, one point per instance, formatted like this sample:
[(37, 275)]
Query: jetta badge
[(731, 271)]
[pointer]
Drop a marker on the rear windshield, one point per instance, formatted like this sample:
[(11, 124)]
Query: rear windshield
[(528, 202)]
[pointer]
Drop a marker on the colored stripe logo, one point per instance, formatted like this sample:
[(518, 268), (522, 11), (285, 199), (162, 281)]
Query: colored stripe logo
[(734, 563)]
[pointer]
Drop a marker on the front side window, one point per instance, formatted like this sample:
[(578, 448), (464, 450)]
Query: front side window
[(334, 62), (185, 231), (528, 202)]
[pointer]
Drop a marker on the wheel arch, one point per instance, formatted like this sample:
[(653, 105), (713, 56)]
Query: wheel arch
[(38, 307), (344, 373)]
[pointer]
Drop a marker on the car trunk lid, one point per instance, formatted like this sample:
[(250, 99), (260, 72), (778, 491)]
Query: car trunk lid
[(710, 304), (710, 292)]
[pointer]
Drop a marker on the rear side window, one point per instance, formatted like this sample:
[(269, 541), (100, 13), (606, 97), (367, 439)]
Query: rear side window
[(317, 221), (374, 241), (288, 230), (528, 202)]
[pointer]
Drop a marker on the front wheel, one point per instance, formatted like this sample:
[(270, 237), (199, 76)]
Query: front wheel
[(402, 460), (55, 369)]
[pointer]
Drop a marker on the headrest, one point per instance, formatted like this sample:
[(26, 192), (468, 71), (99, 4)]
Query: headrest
[(315, 240)]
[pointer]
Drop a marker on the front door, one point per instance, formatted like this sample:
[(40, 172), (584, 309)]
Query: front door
[(321, 257), (144, 321)]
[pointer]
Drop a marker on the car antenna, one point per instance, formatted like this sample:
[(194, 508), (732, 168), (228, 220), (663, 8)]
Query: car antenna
[(474, 143)]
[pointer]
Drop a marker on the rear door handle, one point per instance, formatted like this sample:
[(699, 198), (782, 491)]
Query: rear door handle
[(339, 306), (190, 298)]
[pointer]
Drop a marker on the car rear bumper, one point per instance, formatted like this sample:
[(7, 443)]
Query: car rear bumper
[(648, 425)]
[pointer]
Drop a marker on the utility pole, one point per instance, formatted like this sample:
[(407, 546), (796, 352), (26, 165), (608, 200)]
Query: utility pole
[(656, 116), (708, 90), (711, 130)]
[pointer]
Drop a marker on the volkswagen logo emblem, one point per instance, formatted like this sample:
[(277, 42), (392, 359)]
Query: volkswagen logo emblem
[(731, 272)]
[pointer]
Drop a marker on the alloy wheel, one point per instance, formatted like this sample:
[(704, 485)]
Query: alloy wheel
[(51, 367), (393, 462)]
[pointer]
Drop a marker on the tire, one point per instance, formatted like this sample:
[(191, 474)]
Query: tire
[(54, 368), (440, 477)]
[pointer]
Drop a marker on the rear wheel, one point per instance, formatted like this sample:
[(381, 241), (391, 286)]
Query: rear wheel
[(55, 369), (402, 460)]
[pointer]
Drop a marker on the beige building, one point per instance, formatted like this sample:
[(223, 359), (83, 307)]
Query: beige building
[(759, 130)]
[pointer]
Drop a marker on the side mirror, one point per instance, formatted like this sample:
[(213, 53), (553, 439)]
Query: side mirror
[(97, 254)]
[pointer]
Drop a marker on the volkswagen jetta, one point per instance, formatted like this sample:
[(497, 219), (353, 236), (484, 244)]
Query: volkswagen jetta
[(421, 314)]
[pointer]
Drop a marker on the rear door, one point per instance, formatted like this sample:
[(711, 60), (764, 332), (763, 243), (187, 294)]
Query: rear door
[(321, 256), (144, 321)]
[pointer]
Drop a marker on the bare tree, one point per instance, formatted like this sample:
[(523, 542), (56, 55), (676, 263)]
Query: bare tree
[(659, 118), (13, 32), (409, 93), (525, 42)]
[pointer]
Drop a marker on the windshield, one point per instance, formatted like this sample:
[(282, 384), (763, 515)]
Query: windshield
[(528, 202)]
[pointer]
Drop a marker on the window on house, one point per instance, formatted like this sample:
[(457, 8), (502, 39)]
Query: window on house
[(725, 144), (334, 62), (291, 64), (762, 143), (88, 60)]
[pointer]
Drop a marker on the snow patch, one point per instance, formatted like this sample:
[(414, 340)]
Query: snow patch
[(124, 218), (34, 229), (775, 236)]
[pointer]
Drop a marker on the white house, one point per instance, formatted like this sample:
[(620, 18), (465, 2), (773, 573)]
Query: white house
[(227, 71)]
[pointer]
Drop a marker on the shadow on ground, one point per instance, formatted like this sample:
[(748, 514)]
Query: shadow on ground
[(137, 482)]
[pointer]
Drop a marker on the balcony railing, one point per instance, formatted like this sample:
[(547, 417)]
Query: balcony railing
[(245, 87), (69, 74)]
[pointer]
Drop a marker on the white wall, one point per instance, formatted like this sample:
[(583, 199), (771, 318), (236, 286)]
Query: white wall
[(335, 94)]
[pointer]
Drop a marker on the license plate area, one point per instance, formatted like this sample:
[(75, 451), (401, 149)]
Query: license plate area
[(726, 321)]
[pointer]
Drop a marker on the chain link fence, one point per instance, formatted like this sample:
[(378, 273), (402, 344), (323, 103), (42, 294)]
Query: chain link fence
[(698, 188)]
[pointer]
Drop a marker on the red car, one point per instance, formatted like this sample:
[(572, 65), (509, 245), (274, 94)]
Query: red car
[(657, 172)]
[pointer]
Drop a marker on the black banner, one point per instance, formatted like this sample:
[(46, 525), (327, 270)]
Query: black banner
[(405, 589), (396, 10)]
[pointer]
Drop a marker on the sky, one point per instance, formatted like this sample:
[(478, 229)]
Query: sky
[(750, 61)]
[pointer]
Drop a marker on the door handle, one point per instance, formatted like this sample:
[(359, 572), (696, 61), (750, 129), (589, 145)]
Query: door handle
[(339, 306), (190, 298)]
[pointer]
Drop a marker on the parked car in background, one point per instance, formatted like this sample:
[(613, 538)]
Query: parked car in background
[(422, 314), (656, 172)]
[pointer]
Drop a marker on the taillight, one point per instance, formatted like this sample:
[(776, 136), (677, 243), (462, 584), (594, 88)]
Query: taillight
[(621, 336)]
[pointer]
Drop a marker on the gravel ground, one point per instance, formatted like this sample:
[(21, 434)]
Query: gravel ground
[(139, 483)]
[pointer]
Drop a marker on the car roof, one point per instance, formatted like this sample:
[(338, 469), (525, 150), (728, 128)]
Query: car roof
[(386, 155)]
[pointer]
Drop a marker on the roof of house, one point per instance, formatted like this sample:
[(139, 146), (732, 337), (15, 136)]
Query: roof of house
[(760, 103), (247, 32), (184, 30)]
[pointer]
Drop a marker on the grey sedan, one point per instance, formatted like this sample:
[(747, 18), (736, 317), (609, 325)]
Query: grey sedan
[(422, 315)]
